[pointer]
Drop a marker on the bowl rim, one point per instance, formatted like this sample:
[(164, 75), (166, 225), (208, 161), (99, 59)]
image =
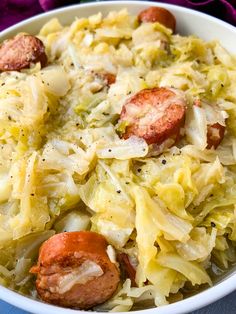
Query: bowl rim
[(195, 302), (192, 303), (121, 2)]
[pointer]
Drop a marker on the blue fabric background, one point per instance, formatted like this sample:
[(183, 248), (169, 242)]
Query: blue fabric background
[(226, 305)]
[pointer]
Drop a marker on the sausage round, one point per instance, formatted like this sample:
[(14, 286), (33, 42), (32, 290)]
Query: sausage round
[(160, 15), (155, 114), (75, 271), (215, 135), (19, 52), (109, 78), (127, 268), (215, 132)]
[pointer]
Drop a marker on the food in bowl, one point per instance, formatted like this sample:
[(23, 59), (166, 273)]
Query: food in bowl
[(117, 162)]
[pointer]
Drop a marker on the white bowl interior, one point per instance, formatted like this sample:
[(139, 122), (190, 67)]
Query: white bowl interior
[(188, 22)]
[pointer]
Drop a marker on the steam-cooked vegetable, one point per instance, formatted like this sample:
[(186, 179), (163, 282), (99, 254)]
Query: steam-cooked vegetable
[(66, 164)]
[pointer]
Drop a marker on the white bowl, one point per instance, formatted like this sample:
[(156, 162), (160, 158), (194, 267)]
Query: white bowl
[(188, 22)]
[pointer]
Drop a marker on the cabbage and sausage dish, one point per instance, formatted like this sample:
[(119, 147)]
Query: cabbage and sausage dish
[(117, 162)]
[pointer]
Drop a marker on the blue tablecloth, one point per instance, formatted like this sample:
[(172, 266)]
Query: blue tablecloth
[(226, 305)]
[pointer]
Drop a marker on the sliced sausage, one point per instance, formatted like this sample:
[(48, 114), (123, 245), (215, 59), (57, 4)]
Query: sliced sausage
[(215, 135), (106, 77), (19, 52), (160, 15), (127, 268), (109, 78), (215, 132), (155, 114), (75, 271)]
